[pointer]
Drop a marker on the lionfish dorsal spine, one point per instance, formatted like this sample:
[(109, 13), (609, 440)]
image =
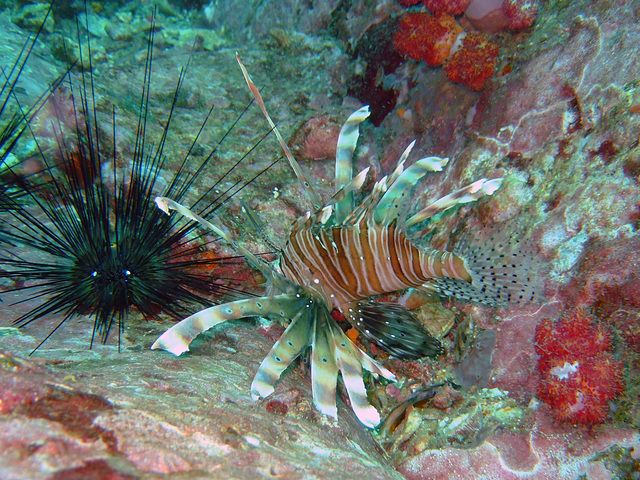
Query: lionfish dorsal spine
[(467, 194), (394, 204), (347, 141), (353, 186), (306, 186), (361, 211)]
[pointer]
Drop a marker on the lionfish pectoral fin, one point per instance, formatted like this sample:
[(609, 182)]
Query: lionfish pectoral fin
[(395, 329), (324, 370), (351, 369), (372, 366), (166, 205), (178, 338), (294, 339), (347, 141), (467, 194)]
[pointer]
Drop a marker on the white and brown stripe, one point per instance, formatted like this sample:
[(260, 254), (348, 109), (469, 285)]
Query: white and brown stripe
[(347, 263)]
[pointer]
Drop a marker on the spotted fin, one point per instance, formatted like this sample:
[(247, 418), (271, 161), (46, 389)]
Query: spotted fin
[(294, 339), (371, 366), (347, 141), (178, 338), (503, 269), (394, 328)]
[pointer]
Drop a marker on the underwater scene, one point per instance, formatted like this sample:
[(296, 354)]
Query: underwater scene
[(319, 239)]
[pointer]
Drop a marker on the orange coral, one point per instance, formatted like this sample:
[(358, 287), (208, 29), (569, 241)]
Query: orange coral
[(421, 36), (474, 63)]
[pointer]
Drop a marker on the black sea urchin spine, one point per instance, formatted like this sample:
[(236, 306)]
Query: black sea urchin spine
[(97, 244), (13, 125)]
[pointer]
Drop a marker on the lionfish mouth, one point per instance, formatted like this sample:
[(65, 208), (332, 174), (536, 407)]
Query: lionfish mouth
[(343, 256)]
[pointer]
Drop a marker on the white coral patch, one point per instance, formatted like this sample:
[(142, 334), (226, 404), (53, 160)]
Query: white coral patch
[(566, 370)]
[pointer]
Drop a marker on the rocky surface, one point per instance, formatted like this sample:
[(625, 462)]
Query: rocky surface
[(559, 119)]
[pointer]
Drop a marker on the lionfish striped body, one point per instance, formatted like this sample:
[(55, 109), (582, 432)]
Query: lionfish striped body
[(361, 261), (340, 256)]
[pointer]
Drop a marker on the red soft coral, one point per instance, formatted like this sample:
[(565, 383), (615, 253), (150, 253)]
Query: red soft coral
[(578, 373), (421, 36), (474, 63), (521, 13)]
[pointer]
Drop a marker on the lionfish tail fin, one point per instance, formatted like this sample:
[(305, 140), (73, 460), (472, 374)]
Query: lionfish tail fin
[(503, 269)]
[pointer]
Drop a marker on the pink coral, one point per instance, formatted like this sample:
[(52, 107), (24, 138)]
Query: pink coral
[(451, 7), (495, 15), (521, 13)]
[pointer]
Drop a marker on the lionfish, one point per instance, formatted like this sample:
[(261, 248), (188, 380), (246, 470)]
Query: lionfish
[(341, 256)]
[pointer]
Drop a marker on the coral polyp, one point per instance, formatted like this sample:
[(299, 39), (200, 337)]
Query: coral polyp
[(474, 62)]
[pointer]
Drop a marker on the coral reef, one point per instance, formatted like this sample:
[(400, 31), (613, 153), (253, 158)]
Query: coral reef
[(474, 62), (468, 58), (579, 375), (426, 37), (560, 117)]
